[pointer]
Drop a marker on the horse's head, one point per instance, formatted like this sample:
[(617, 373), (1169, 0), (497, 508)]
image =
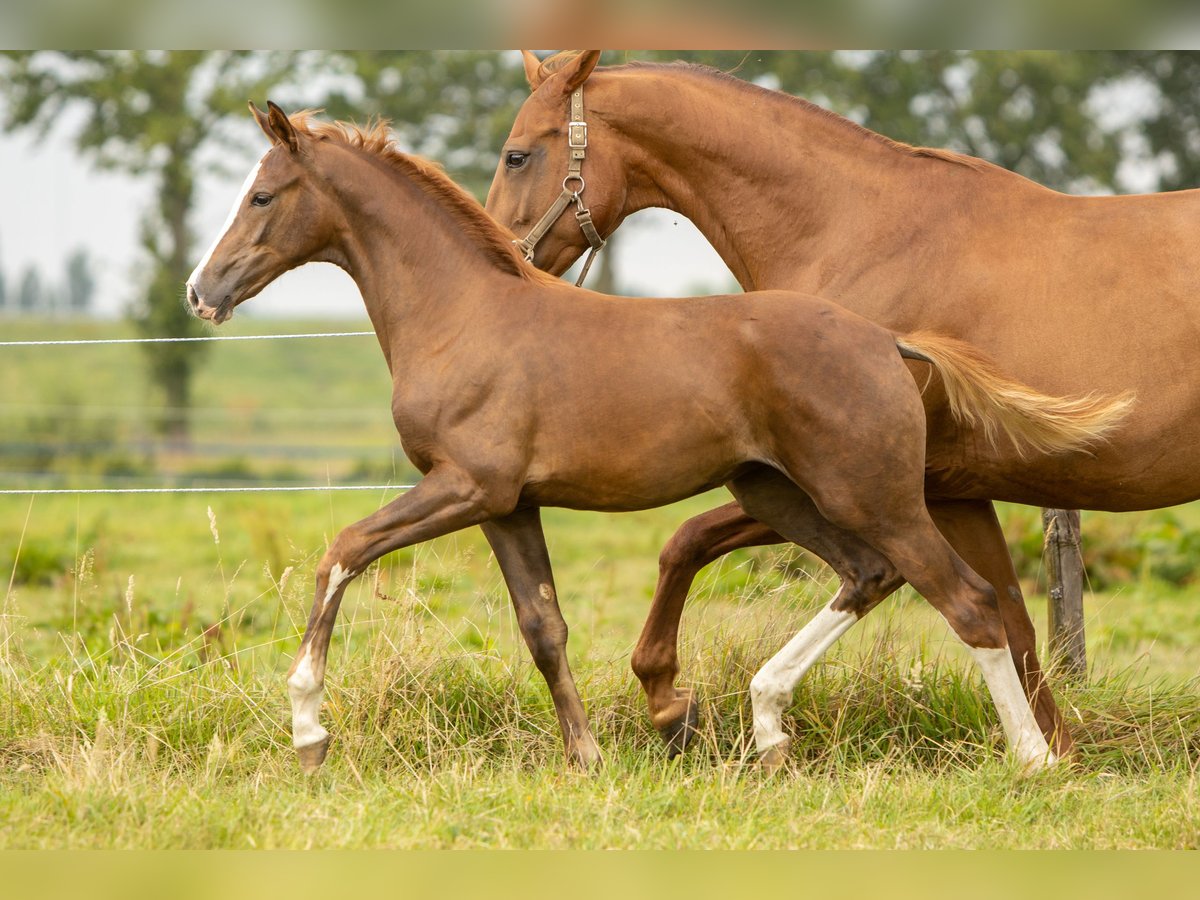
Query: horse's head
[(279, 221), (534, 167)]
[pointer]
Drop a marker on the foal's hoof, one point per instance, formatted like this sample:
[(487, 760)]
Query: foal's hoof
[(680, 723), (312, 755), (775, 757)]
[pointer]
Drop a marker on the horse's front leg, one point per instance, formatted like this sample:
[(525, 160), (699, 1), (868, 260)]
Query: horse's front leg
[(520, 549), (445, 500)]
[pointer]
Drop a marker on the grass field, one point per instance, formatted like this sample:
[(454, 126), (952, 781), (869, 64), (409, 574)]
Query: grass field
[(143, 642)]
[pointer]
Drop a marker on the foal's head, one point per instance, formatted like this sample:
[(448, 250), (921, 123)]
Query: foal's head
[(533, 163), (282, 219)]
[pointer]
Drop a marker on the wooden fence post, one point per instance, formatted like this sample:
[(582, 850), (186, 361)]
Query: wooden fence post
[(1064, 583)]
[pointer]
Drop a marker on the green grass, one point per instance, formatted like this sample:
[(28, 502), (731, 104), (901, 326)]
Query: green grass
[(123, 725), (143, 646)]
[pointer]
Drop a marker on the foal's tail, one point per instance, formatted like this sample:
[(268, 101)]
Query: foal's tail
[(982, 396)]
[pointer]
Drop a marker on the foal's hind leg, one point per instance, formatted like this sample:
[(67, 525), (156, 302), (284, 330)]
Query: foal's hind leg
[(972, 529), (904, 533), (867, 578), (520, 549)]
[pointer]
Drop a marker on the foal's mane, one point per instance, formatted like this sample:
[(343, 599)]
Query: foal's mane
[(554, 63), (375, 139)]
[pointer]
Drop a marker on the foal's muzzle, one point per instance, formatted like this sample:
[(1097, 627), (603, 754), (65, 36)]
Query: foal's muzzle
[(200, 309)]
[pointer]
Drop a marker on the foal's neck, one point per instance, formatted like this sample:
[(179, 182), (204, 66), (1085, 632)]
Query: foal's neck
[(423, 273)]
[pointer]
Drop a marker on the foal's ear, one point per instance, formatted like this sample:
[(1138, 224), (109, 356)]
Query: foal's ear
[(533, 70), (578, 69), (279, 128), (263, 122)]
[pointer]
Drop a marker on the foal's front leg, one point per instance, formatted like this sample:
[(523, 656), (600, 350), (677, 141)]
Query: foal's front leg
[(445, 500), (520, 548)]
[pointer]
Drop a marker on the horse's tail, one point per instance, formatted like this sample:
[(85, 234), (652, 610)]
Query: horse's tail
[(980, 395)]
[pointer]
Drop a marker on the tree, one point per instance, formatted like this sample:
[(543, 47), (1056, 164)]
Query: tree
[(149, 113), (81, 283), (455, 106), (30, 298)]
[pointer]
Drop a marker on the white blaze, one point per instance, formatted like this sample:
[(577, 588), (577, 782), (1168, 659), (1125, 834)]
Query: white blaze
[(237, 205), (771, 689)]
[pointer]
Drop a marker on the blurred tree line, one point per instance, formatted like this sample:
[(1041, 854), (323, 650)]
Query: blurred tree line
[(30, 296), (1076, 121)]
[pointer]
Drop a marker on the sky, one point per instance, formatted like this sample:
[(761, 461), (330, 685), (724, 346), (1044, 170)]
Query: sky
[(52, 201)]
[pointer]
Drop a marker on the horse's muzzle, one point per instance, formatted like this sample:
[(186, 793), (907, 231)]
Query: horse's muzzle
[(200, 309)]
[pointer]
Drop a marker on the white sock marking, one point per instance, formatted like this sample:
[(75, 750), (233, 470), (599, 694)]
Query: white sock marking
[(306, 703), (1025, 738), (772, 687), (237, 205)]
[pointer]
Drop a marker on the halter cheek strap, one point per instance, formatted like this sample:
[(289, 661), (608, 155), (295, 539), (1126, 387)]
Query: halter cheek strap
[(572, 188)]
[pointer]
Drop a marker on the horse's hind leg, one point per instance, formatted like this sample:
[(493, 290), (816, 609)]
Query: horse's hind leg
[(866, 576), (520, 549), (655, 660), (972, 529), (904, 533)]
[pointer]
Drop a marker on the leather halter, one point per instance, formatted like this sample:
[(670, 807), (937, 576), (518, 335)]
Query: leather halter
[(572, 187)]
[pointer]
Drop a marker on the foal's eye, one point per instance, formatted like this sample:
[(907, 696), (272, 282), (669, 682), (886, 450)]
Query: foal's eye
[(514, 159), (260, 199)]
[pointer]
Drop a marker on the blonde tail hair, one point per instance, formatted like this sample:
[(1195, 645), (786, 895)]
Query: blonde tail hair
[(981, 396)]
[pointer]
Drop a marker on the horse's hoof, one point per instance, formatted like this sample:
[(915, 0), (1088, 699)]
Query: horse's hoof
[(774, 757), (312, 755), (584, 756), (678, 734)]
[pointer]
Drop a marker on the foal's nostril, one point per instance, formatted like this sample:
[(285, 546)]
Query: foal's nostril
[(193, 298)]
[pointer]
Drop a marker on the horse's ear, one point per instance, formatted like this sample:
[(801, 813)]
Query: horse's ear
[(263, 122), (281, 128), (576, 71), (533, 70)]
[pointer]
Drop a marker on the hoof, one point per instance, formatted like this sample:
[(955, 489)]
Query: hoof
[(1036, 765), (679, 723), (775, 757), (312, 755), (583, 754), (678, 735)]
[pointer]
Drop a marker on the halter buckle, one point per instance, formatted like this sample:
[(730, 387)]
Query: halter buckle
[(577, 135)]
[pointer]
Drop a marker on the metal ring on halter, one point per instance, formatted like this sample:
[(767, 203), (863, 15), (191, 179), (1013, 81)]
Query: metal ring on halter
[(577, 177)]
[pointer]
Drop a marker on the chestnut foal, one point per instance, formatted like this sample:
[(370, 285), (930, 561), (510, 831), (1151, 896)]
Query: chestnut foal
[(513, 391)]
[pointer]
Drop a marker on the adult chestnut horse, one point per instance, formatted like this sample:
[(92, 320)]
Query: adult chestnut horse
[(513, 391), (1068, 294)]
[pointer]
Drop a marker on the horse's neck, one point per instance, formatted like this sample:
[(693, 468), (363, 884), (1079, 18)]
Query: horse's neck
[(784, 192)]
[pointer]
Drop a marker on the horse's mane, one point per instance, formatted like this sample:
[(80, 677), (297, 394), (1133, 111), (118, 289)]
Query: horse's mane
[(554, 63), (375, 139)]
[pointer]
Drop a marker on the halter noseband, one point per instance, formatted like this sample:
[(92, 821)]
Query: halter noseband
[(577, 142)]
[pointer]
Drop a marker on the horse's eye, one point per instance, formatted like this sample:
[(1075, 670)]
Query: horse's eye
[(260, 199), (514, 159)]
